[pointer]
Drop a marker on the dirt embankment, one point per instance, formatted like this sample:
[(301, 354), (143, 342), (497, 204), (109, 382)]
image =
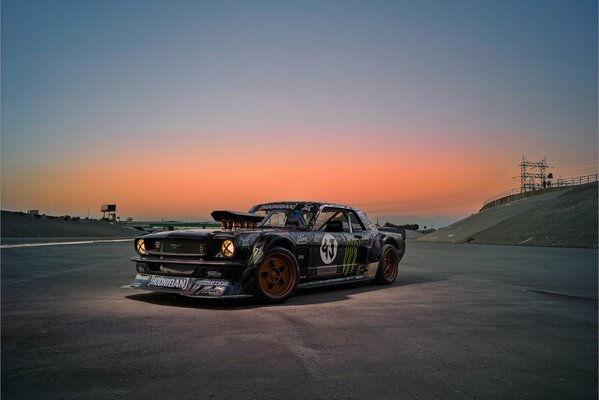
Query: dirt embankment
[(17, 225), (564, 219)]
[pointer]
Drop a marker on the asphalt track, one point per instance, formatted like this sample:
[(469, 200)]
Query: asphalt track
[(461, 322)]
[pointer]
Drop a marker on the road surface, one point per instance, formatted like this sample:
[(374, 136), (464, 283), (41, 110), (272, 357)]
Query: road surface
[(461, 322)]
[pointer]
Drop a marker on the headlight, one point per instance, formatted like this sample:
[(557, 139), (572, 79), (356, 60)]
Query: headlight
[(140, 246), (228, 248)]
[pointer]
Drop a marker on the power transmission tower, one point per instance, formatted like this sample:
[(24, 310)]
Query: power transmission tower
[(532, 174)]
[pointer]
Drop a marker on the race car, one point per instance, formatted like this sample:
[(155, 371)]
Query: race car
[(269, 252)]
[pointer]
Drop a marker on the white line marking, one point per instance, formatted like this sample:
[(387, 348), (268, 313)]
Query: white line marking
[(41, 276), (527, 240), (12, 246)]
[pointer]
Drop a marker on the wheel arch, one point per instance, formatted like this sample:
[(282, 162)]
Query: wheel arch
[(390, 240), (399, 244), (279, 241)]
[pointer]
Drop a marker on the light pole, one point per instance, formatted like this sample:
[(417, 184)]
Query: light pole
[(47, 209)]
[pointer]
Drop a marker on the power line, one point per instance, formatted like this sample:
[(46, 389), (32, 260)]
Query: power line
[(577, 162), (447, 194), (582, 156), (435, 203), (479, 192)]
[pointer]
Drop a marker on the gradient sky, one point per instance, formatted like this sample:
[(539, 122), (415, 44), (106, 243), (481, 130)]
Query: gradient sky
[(414, 111)]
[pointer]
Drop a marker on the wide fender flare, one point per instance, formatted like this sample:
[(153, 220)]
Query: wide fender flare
[(265, 243), (376, 249), (379, 241), (392, 241), (399, 244)]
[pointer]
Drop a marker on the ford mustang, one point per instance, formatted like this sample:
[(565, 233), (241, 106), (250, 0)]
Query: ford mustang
[(269, 252)]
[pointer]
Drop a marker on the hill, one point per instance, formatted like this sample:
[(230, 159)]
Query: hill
[(18, 225), (566, 218)]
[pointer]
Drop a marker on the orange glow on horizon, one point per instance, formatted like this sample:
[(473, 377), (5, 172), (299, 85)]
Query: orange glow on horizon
[(190, 175), (190, 180)]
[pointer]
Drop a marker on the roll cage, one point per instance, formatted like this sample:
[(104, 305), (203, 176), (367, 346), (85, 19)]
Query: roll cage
[(352, 216)]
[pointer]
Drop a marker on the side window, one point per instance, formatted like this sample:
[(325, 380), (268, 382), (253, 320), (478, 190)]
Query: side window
[(276, 219), (332, 220), (339, 220), (323, 218), (356, 224)]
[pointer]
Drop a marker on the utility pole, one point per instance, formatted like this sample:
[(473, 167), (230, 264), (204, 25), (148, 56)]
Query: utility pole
[(530, 173)]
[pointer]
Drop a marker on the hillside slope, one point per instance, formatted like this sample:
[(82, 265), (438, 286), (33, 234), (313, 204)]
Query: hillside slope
[(16, 225), (565, 219)]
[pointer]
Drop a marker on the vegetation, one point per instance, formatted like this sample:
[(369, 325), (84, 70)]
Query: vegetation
[(187, 224), (410, 227)]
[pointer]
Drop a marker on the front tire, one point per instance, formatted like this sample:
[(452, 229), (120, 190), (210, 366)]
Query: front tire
[(388, 266), (276, 277)]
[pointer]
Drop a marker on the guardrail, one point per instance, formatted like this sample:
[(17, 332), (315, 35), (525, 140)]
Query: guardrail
[(579, 180), (556, 183)]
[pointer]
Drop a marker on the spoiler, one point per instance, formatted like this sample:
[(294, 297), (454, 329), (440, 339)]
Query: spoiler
[(399, 230)]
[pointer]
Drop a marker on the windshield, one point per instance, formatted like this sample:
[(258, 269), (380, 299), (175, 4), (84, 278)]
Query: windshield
[(285, 218)]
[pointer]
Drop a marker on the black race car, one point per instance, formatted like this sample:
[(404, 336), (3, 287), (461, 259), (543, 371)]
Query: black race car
[(269, 252)]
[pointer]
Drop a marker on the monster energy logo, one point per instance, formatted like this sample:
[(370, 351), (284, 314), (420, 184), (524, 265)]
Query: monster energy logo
[(351, 254), (256, 254)]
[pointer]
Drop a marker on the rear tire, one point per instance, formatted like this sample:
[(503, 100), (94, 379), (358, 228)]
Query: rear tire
[(276, 277), (388, 266)]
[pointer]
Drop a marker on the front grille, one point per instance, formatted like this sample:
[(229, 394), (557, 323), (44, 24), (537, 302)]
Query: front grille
[(179, 246)]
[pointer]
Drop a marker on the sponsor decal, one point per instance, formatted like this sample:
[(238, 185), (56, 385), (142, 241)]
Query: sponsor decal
[(302, 238), (213, 274), (210, 282), (326, 270), (245, 242), (256, 254), (212, 290), (351, 254), (279, 206), (166, 282), (307, 207), (328, 248)]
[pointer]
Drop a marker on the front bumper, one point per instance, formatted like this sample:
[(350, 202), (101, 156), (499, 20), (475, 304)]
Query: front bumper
[(189, 286), (193, 278)]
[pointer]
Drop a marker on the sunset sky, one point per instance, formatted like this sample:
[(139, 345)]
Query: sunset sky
[(414, 111)]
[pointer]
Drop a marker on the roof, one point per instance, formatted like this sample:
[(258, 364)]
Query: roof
[(316, 203)]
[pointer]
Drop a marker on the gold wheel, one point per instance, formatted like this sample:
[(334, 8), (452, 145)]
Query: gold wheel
[(390, 265), (277, 277)]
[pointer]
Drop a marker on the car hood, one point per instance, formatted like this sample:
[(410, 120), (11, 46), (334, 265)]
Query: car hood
[(204, 234)]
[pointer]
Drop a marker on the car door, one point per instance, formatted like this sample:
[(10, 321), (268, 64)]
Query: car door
[(331, 231), (363, 238)]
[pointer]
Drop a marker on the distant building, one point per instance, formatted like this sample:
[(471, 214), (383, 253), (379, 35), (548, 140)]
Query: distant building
[(33, 212), (111, 210)]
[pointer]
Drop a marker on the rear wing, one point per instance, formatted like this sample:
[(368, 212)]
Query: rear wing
[(401, 231)]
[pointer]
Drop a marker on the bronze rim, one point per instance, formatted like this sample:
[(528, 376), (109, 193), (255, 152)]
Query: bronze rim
[(276, 276), (390, 265)]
